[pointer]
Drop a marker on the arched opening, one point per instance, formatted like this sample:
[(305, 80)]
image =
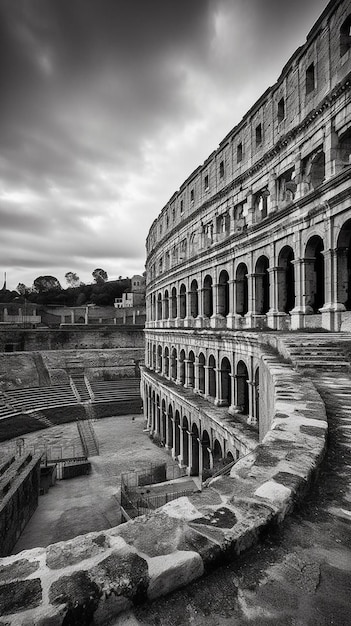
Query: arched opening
[(170, 427), (317, 172), (154, 307), (242, 377), (166, 362), (174, 303), (229, 457), (166, 305), (177, 434), (207, 297), (174, 364), (226, 381), (185, 435), (241, 290), (182, 302), (154, 357), (344, 265), (163, 420), (194, 299), (191, 366), (262, 286), (159, 306), (159, 358), (223, 293), (286, 280), (345, 36), (212, 376), (201, 373), (314, 273), (257, 394), (217, 452), (206, 446), (194, 470), (182, 367)]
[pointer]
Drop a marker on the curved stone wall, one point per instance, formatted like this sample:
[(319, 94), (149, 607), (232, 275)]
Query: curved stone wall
[(101, 574)]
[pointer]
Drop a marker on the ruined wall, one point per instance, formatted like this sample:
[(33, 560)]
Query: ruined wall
[(68, 338), (18, 499)]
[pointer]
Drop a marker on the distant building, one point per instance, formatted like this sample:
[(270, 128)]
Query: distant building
[(135, 297)]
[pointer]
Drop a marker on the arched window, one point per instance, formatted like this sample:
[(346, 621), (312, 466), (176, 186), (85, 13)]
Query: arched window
[(207, 297), (212, 376), (286, 280), (262, 285), (345, 36), (223, 293), (159, 307), (314, 273), (166, 305), (174, 303), (194, 300), (182, 302), (241, 288)]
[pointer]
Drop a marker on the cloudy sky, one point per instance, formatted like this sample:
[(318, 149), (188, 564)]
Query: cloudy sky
[(106, 106)]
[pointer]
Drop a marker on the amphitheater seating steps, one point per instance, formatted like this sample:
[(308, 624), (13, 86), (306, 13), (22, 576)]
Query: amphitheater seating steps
[(88, 437), (79, 383), (40, 417), (32, 398), (116, 390), (317, 352)]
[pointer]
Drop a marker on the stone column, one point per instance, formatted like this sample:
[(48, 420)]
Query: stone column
[(299, 311), (335, 281), (196, 374), (252, 398), (231, 317), (190, 451), (207, 381), (276, 316), (173, 438), (187, 377)]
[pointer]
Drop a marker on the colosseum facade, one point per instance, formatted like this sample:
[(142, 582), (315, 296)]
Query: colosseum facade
[(257, 239)]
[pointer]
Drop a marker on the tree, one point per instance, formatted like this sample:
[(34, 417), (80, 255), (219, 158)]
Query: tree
[(72, 279), (43, 284), (22, 289), (100, 276)]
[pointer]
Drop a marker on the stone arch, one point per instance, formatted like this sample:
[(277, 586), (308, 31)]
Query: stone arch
[(191, 366), (286, 280), (174, 303), (229, 457), (176, 434), (262, 285), (170, 427), (202, 372), (159, 358), (344, 265), (317, 171), (242, 376), (166, 305), (159, 306), (223, 293), (314, 273), (207, 296), (194, 299), (241, 290), (185, 435), (174, 364), (217, 452), (182, 301), (226, 381), (194, 470), (206, 446), (182, 367), (212, 376), (166, 362)]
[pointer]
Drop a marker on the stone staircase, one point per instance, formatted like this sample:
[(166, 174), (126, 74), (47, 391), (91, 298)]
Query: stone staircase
[(317, 352), (88, 438), (78, 384), (335, 390), (41, 418)]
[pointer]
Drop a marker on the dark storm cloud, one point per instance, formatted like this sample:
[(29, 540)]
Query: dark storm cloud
[(107, 105)]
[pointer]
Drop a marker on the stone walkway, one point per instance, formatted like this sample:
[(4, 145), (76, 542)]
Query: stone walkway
[(300, 575)]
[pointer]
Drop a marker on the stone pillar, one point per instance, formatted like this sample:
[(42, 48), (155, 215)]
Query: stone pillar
[(333, 163), (252, 402), (231, 317), (173, 439), (187, 376), (181, 447), (190, 451), (232, 406), (207, 381), (275, 316), (196, 375), (335, 281), (72, 317), (216, 320), (299, 311)]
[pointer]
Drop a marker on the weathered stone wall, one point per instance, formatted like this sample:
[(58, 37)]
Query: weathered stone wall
[(68, 338), (19, 499), (27, 369), (95, 577)]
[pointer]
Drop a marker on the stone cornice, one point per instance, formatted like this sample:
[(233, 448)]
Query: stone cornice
[(284, 141)]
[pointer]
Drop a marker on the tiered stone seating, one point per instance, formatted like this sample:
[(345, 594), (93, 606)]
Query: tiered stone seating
[(320, 351), (116, 390), (33, 398)]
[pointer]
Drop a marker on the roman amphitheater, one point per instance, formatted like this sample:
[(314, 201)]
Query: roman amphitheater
[(246, 382)]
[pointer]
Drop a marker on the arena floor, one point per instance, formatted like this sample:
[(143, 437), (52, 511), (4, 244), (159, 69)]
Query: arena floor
[(88, 503)]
